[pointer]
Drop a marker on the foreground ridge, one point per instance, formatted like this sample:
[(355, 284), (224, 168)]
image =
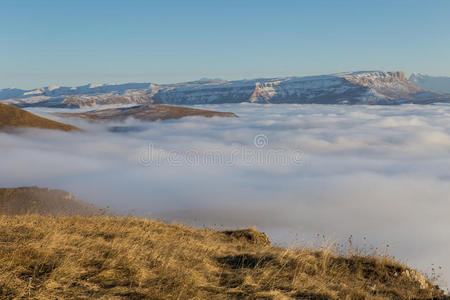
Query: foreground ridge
[(47, 257)]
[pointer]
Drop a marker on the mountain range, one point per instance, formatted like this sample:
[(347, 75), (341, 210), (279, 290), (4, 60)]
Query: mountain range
[(366, 87)]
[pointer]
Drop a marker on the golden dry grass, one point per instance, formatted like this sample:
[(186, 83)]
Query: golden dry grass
[(13, 117), (44, 257)]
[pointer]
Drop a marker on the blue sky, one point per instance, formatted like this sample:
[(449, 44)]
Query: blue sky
[(76, 42)]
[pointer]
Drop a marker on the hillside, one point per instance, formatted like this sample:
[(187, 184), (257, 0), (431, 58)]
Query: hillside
[(128, 258), (149, 113), (367, 87), (13, 117), (34, 200)]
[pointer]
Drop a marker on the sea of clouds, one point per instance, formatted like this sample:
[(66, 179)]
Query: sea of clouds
[(380, 174)]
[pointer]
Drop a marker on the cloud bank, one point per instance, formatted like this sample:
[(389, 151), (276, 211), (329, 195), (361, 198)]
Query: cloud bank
[(376, 172)]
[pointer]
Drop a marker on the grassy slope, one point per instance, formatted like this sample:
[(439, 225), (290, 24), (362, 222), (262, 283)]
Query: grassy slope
[(47, 257), (11, 117)]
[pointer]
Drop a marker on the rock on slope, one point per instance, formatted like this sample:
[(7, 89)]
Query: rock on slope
[(34, 200), (434, 83), (371, 87), (13, 117)]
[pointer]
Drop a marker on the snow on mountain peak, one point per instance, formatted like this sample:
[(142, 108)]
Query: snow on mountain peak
[(35, 92), (94, 85), (53, 87), (364, 87)]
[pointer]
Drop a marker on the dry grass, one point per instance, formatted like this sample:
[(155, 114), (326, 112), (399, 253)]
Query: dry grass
[(13, 117), (43, 257)]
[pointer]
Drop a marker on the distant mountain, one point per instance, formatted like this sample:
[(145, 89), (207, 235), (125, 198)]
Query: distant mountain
[(435, 83), (44, 201), (13, 117), (149, 113), (88, 89), (368, 87)]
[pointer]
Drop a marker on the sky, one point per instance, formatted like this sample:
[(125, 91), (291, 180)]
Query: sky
[(70, 43)]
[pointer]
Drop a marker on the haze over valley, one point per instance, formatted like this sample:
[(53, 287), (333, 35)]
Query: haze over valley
[(225, 150), (287, 169)]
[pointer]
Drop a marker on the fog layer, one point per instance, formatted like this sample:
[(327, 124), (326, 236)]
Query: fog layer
[(378, 173)]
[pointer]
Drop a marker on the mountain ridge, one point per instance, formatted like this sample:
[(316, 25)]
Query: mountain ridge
[(148, 113), (363, 87)]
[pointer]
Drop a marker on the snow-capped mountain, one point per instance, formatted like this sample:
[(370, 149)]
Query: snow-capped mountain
[(435, 83), (369, 87)]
